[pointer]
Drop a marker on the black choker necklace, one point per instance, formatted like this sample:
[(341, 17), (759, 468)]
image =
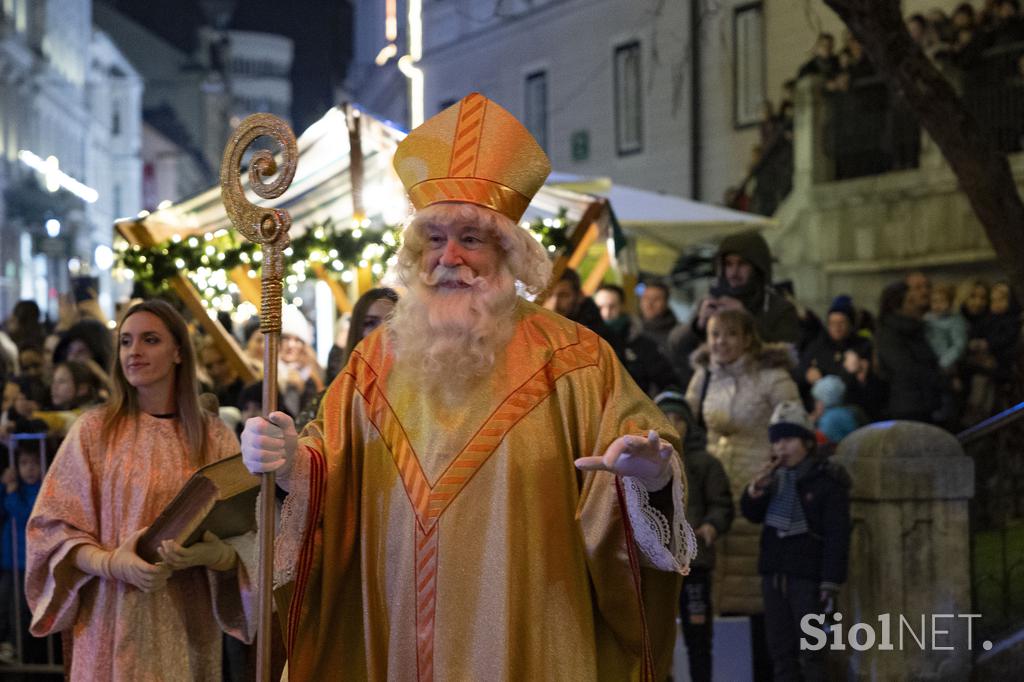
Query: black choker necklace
[(172, 415)]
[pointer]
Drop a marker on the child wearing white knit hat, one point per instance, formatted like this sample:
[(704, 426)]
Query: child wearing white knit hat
[(803, 501)]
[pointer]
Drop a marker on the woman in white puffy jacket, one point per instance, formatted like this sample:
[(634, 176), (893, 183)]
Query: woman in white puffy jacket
[(737, 382)]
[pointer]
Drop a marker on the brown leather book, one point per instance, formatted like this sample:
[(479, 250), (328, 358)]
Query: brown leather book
[(219, 497)]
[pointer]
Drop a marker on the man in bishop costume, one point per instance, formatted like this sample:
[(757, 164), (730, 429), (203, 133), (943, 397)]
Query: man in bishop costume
[(485, 494)]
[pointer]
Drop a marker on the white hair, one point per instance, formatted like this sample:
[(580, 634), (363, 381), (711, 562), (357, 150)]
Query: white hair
[(525, 258), (450, 338)]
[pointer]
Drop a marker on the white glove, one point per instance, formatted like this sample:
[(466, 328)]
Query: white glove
[(123, 564), (212, 552), (270, 445), (646, 459)]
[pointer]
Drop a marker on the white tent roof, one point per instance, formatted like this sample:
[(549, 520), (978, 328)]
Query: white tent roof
[(666, 219)]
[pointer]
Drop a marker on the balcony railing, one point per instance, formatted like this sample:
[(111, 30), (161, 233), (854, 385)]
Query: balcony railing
[(868, 131), (865, 130)]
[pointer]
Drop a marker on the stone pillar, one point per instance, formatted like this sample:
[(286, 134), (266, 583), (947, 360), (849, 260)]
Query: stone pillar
[(909, 552), (810, 163)]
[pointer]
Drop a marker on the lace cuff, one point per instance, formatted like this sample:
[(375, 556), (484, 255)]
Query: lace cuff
[(665, 545), (291, 519)]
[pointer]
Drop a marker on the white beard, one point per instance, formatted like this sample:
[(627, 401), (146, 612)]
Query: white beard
[(448, 338)]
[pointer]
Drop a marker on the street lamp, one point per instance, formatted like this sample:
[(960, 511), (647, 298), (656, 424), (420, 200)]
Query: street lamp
[(53, 227)]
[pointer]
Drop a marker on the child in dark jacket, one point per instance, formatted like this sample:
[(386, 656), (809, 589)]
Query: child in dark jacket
[(18, 488), (803, 501), (709, 508)]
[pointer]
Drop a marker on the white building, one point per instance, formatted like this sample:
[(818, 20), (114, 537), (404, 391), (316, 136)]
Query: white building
[(170, 170), (258, 69), (373, 80), (189, 100), (602, 85), (70, 118), (192, 102)]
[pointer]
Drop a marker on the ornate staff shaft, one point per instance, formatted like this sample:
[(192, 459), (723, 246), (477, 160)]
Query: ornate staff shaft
[(269, 228)]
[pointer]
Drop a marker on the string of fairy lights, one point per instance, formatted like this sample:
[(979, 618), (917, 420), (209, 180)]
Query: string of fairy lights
[(209, 259)]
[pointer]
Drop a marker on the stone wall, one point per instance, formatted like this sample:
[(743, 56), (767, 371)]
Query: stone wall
[(855, 236)]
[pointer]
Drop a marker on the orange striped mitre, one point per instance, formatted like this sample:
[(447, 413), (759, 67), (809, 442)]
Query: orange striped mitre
[(475, 152)]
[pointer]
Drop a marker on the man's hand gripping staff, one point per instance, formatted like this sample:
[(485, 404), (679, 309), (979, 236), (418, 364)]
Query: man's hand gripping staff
[(270, 446)]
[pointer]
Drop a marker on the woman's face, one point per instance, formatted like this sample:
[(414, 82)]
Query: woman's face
[(376, 314), (62, 390), (148, 351), (977, 300), (939, 302), (727, 342), (79, 351), (1000, 299)]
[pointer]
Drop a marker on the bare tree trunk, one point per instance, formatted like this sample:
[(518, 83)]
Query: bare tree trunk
[(983, 173)]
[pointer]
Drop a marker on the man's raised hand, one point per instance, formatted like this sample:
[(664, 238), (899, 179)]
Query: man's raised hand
[(646, 459)]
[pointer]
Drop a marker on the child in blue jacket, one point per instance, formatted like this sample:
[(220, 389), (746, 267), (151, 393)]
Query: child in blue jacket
[(19, 491)]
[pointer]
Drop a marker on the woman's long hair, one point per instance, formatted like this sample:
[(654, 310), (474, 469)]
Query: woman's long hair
[(355, 329), (124, 398)]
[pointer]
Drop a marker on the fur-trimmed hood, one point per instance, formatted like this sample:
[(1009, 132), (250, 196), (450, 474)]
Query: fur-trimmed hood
[(771, 355)]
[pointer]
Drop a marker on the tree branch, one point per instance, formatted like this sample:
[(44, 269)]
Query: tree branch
[(983, 173)]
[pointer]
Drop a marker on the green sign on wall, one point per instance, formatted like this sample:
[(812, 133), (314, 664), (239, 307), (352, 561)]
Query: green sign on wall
[(580, 142)]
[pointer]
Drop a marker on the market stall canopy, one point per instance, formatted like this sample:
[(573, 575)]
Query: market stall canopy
[(321, 189), (663, 224)]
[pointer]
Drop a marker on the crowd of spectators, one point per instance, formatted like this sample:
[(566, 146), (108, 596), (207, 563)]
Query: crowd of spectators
[(987, 43), (53, 372), (944, 353)]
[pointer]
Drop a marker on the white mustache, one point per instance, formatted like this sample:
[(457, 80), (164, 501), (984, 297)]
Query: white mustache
[(459, 274)]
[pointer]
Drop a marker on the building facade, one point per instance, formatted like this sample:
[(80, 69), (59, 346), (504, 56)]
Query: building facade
[(193, 101), (71, 133), (379, 39)]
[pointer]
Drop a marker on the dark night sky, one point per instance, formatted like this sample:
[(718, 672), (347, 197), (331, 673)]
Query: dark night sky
[(319, 28)]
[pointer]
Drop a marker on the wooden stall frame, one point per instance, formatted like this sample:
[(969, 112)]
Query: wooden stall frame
[(579, 241), (136, 233)]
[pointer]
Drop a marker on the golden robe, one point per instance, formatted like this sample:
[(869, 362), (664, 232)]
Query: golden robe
[(428, 541), (98, 495)]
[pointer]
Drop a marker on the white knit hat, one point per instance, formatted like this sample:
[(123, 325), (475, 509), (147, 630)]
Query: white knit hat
[(790, 421), (294, 323)]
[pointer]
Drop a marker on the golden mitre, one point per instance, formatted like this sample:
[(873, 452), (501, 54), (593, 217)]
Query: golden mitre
[(476, 152)]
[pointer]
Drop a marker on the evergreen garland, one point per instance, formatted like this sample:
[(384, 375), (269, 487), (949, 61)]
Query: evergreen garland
[(206, 258)]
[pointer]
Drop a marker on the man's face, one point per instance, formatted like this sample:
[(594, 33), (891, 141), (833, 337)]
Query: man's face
[(838, 326), (609, 304), (461, 243), (737, 270), (219, 369), (919, 291), (653, 302), (31, 362), (565, 298), (977, 301)]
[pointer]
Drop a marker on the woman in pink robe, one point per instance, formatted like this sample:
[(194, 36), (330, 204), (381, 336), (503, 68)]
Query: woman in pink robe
[(115, 472)]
